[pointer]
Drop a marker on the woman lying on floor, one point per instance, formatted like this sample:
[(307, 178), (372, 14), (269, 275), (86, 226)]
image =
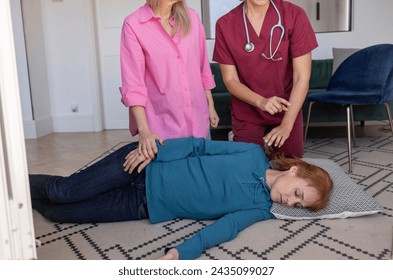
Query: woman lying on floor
[(190, 178)]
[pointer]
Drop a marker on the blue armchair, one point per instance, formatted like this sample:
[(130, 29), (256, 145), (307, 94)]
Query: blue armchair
[(366, 77)]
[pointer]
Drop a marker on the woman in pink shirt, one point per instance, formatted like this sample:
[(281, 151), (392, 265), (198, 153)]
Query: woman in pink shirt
[(166, 75)]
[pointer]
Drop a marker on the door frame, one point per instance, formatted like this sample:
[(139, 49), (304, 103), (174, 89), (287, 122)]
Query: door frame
[(17, 240)]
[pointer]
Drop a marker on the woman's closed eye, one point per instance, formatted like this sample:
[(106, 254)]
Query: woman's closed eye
[(298, 193)]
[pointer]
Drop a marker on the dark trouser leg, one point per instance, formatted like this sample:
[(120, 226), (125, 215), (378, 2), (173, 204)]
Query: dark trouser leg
[(39, 183), (101, 192), (254, 133), (248, 132), (105, 175), (121, 204)]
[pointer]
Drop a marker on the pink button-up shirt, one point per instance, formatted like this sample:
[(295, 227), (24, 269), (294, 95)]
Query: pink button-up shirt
[(167, 75)]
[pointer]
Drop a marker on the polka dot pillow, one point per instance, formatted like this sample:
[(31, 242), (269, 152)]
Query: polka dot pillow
[(347, 198)]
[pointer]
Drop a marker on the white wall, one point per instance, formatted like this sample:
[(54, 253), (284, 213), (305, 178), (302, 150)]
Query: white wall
[(72, 64), (373, 22), (40, 122), (17, 25)]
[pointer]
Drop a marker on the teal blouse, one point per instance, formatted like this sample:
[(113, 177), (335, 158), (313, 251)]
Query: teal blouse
[(200, 179)]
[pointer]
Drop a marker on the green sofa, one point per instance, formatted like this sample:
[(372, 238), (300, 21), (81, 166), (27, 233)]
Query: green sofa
[(321, 73)]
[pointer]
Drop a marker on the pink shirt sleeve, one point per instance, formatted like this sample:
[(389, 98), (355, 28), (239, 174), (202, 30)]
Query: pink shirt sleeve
[(132, 62), (206, 73)]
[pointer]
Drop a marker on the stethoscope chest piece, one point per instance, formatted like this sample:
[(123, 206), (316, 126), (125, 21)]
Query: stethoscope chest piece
[(249, 47)]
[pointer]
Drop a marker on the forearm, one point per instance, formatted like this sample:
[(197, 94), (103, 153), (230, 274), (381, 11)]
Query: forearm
[(209, 98), (223, 230), (147, 138), (298, 95), (245, 94), (238, 89), (219, 232), (140, 118), (301, 80)]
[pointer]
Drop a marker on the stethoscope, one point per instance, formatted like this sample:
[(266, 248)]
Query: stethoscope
[(249, 47)]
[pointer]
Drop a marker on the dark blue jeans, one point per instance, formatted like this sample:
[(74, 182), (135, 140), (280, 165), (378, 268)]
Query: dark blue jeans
[(103, 192)]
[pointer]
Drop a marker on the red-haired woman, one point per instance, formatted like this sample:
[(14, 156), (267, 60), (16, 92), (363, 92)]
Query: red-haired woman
[(190, 178)]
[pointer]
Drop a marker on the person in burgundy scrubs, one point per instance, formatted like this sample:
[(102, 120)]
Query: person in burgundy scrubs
[(166, 75), (264, 51)]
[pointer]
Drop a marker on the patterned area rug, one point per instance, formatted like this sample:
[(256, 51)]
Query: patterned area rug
[(365, 238)]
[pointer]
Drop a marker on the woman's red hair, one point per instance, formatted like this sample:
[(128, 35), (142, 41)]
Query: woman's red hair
[(317, 177)]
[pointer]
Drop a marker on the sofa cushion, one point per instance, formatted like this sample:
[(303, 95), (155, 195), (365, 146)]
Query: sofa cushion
[(222, 104), (321, 73), (220, 86)]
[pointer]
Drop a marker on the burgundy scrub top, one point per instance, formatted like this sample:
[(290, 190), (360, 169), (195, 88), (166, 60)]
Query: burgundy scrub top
[(266, 77)]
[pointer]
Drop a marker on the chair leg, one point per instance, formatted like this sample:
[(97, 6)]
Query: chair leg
[(349, 139), (389, 116), (352, 125), (308, 120)]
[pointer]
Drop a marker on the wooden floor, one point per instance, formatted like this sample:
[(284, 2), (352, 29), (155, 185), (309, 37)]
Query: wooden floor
[(64, 153)]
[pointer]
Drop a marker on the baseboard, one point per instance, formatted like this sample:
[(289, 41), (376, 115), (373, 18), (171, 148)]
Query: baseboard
[(37, 128), (328, 124), (73, 123), (117, 124)]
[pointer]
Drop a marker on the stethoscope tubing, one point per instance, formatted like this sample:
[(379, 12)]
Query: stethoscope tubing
[(249, 47)]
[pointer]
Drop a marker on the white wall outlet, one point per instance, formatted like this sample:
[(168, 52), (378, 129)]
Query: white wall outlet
[(74, 108)]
